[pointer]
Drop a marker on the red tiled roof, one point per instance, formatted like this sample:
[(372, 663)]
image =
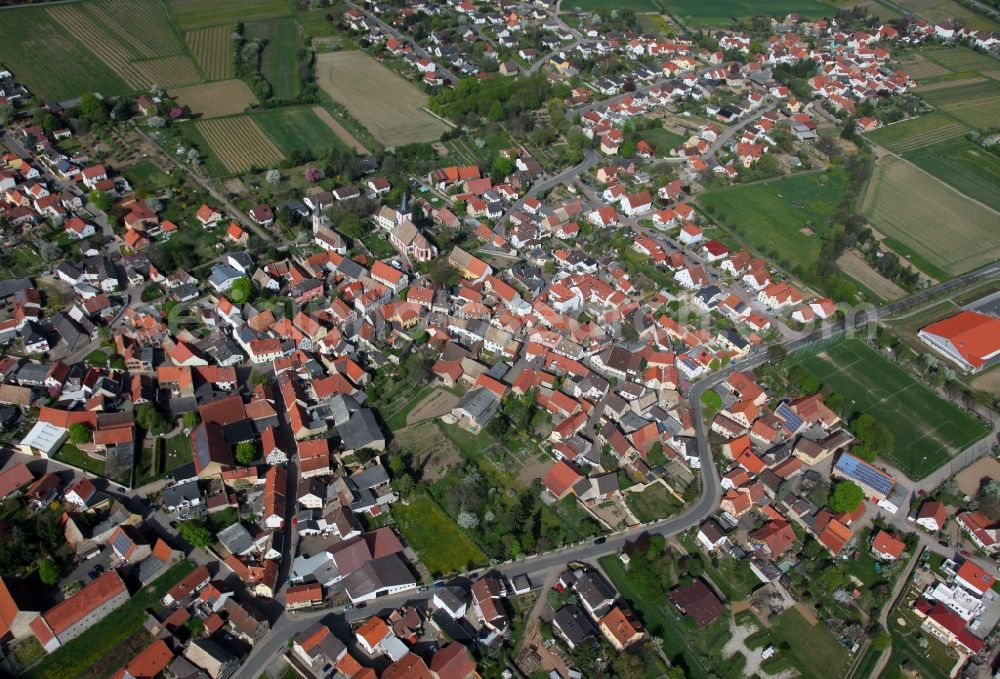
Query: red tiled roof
[(975, 336)]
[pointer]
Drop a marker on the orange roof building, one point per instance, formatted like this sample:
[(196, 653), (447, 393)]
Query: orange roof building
[(968, 338), (72, 616), (887, 546)]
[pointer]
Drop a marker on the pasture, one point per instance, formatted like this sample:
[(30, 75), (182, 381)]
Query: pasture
[(927, 428), (213, 50), (976, 104), (50, 59), (698, 13), (191, 14), (279, 60), (916, 133), (298, 129), (963, 165), (387, 105), (923, 216), (211, 100), (780, 217), (239, 143)]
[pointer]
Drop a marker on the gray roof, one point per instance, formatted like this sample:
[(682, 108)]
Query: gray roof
[(574, 624), (13, 286), (176, 494), (388, 571), (369, 478), (360, 430), (236, 539), (480, 404)]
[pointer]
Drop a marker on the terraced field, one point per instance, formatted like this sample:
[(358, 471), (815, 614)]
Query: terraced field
[(213, 49), (239, 143)]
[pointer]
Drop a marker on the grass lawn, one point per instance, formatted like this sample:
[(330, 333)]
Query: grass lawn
[(964, 165), (105, 641), (397, 420), (146, 176), (97, 357), (662, 140), (697, 13), (733, 577), (70, 454), (279, 61), (468, 443), (178, 451), (654, 503), (780, 217), (813, 651), (928, 429), (379, 246), (437, 540), (298, 129)]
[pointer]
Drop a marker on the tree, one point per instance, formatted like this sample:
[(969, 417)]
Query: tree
[(79, 433), (712, 402), (881, 641), (191, 420), (151, 419), (777, 354), (100, 199), (246, 452), (875, 437), (468, 520), (93, 109), (273, 176), (241, 291), (48, 572), (196, 533), (846, 497)]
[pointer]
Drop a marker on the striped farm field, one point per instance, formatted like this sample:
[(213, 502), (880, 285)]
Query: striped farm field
[(919, 67), (220, 98), (976, 104), (945, 232), (960, 59), (958, 162), (947, 84), (143, 24), (918, 132), (191, 14), (239, 143), (213, 49)]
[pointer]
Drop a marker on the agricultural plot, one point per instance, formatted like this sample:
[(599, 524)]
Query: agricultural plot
[(919, 67), (115, 48), (223, 98), (391, 108), (976, 104), (594, 5), (926, 130), (698, 13), (298, 130), (279, 60), (143, 25), (50, 59), (963, 165), (780, 216), (239, 143), (191, 14), (213, 49), (923, 216), (928, 429)]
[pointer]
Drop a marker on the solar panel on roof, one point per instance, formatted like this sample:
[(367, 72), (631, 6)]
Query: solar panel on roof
[(122, 544), (792, 421), (859, 470)]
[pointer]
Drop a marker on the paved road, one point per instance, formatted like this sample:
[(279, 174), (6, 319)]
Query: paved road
[(564, 178)]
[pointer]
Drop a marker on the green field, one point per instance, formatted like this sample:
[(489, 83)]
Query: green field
[(927, 428), (146, 177), (594, 5), (655, 502), (279, 61), (930, 222), (776, 217), (969, 168), (661, 140), (976, 104), (202, 13), (812, 650), (926, 130), (298, 129), (49, 59), (109, 644), (961, 59), (698, 13), (437, 540)]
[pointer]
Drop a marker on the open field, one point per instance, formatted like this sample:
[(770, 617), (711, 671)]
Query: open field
[(387, 105), (437, 540), (812, 650), (298, 129), (928, 429), (140, 66), (926, 130), (922, 215), (50, 59), (775, 216), (697, 13), (662, 140), (655, 502), (239, 143), (855, 266), (213, 50), (105, 640), (968, 479), (279, 60), (963, 165), (594, 5), (342, 132), (919, 67), (223, 98), (190, 14), (977, 104)]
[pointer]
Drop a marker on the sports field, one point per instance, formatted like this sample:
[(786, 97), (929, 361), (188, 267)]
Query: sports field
[(780, 216), (239, 143), (928, 429), (916, 133), (387, 105), (969, 168), (222, 98), (191, 14), (213, 50), (922, 216), (698, 13), (298, 129), (279, 60)]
